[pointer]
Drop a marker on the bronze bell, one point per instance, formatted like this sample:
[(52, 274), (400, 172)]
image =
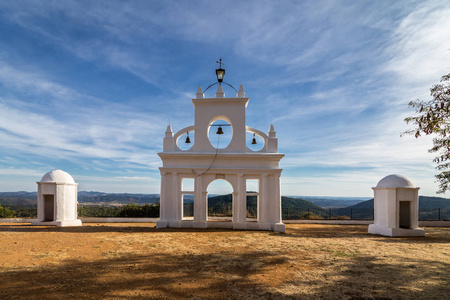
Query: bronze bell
[(254, 140), (219, 130), (188, 140)]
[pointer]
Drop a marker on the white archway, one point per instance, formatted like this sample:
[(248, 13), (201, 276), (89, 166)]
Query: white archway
[(234, 163), (220, 200)]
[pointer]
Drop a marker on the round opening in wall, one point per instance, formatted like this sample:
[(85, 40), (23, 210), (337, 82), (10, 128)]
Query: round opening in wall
[(253, 141), (186, 140), (220, 134)]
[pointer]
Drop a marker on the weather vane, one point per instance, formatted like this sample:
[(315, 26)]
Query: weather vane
[(220, 63)]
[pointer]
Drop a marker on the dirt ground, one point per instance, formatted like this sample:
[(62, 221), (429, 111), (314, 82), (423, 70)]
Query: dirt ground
[(124, 261)]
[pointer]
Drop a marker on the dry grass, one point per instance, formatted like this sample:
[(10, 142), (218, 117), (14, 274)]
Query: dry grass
[(118, 261)]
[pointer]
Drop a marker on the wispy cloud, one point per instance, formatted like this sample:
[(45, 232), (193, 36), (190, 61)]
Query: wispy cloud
[(91, 85)]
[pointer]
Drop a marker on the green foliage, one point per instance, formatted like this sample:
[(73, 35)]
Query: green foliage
[(433, 118), (311, 216), (138, 211), (188, 210), (5, 212), (220, 206), (25, 212), (124, 211), (252, 205), (293, 209)]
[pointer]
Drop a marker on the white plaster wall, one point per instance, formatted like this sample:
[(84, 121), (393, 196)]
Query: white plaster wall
[(70, 202), (211, 109)]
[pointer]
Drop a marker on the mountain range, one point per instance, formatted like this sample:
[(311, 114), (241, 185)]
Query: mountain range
[(293, 203)]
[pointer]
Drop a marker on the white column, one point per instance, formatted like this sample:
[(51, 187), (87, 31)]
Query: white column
[(163, 203), (177, 211), (278, 226), (58, 210), (200, 202), (40, 204), (240, 201), (263, 205)]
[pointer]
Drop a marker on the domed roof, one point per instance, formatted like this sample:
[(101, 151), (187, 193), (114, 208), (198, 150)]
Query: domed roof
[(395, 180), (57, 176)]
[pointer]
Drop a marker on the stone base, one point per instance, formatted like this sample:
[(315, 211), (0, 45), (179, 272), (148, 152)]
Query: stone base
[(395, 232), (239, 225), (66, 223), (279, 227), (161, 224), (199, 224), (175, 224), (265, 226)]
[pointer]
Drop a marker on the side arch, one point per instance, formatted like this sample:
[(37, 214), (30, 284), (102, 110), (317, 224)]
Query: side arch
[(180, 133), (261, 134)]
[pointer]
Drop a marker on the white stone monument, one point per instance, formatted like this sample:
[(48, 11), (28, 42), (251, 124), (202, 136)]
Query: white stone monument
[(396, 208), (236, 164), (57, 200)]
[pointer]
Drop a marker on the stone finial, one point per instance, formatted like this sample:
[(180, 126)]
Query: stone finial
[(220, 93), (199, 93), (169, 132), (272, 132), (241, 93)]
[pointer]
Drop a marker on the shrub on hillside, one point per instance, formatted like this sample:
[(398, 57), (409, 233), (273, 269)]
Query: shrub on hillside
[(311, 216)]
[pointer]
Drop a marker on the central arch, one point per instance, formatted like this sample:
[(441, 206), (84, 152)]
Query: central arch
[(220, 200)]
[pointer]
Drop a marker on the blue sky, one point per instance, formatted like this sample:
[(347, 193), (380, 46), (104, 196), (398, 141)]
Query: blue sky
[(89, 86)]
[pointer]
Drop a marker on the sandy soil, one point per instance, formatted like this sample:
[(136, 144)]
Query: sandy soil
[(123, 261)]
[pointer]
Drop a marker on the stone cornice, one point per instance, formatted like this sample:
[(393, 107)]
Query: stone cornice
[(222, 156), (226, 101), (226, 171)]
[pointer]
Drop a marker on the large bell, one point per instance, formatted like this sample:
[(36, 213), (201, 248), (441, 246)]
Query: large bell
[(254, 140), (188, 140), (219, 130)]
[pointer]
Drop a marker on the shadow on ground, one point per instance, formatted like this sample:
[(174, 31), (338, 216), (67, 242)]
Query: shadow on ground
[(439, 235), (142, 277), (225, 276)]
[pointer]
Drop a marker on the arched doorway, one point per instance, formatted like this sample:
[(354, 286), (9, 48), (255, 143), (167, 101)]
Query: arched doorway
[(220, 200)]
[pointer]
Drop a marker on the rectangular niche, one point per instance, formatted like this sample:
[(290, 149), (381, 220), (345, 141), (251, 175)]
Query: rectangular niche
[(405, 214), (49, 207)]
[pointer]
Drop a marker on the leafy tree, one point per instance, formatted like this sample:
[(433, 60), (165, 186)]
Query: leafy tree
[(5, 212), (433, 118)]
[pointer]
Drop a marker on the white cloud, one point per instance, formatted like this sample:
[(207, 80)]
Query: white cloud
[(418, 49)]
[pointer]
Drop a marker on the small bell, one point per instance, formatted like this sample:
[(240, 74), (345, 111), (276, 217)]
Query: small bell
[(254, 140), (188, 140), (219, 130)]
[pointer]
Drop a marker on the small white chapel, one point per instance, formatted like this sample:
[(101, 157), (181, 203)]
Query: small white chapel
[(205, 162)]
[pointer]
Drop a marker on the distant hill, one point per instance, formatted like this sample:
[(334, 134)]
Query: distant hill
[(296, 208), (18, 199), (425, 202), (291, 208), (124, 198), (433, 202), (27, 199), (428, 208)]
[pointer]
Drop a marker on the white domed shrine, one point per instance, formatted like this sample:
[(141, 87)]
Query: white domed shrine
[(395, 180), (219, 151), (396, 207), (57, 200), (57, 176)]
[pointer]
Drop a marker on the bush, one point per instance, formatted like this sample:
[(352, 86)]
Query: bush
[(6, 212), (311, 216)]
